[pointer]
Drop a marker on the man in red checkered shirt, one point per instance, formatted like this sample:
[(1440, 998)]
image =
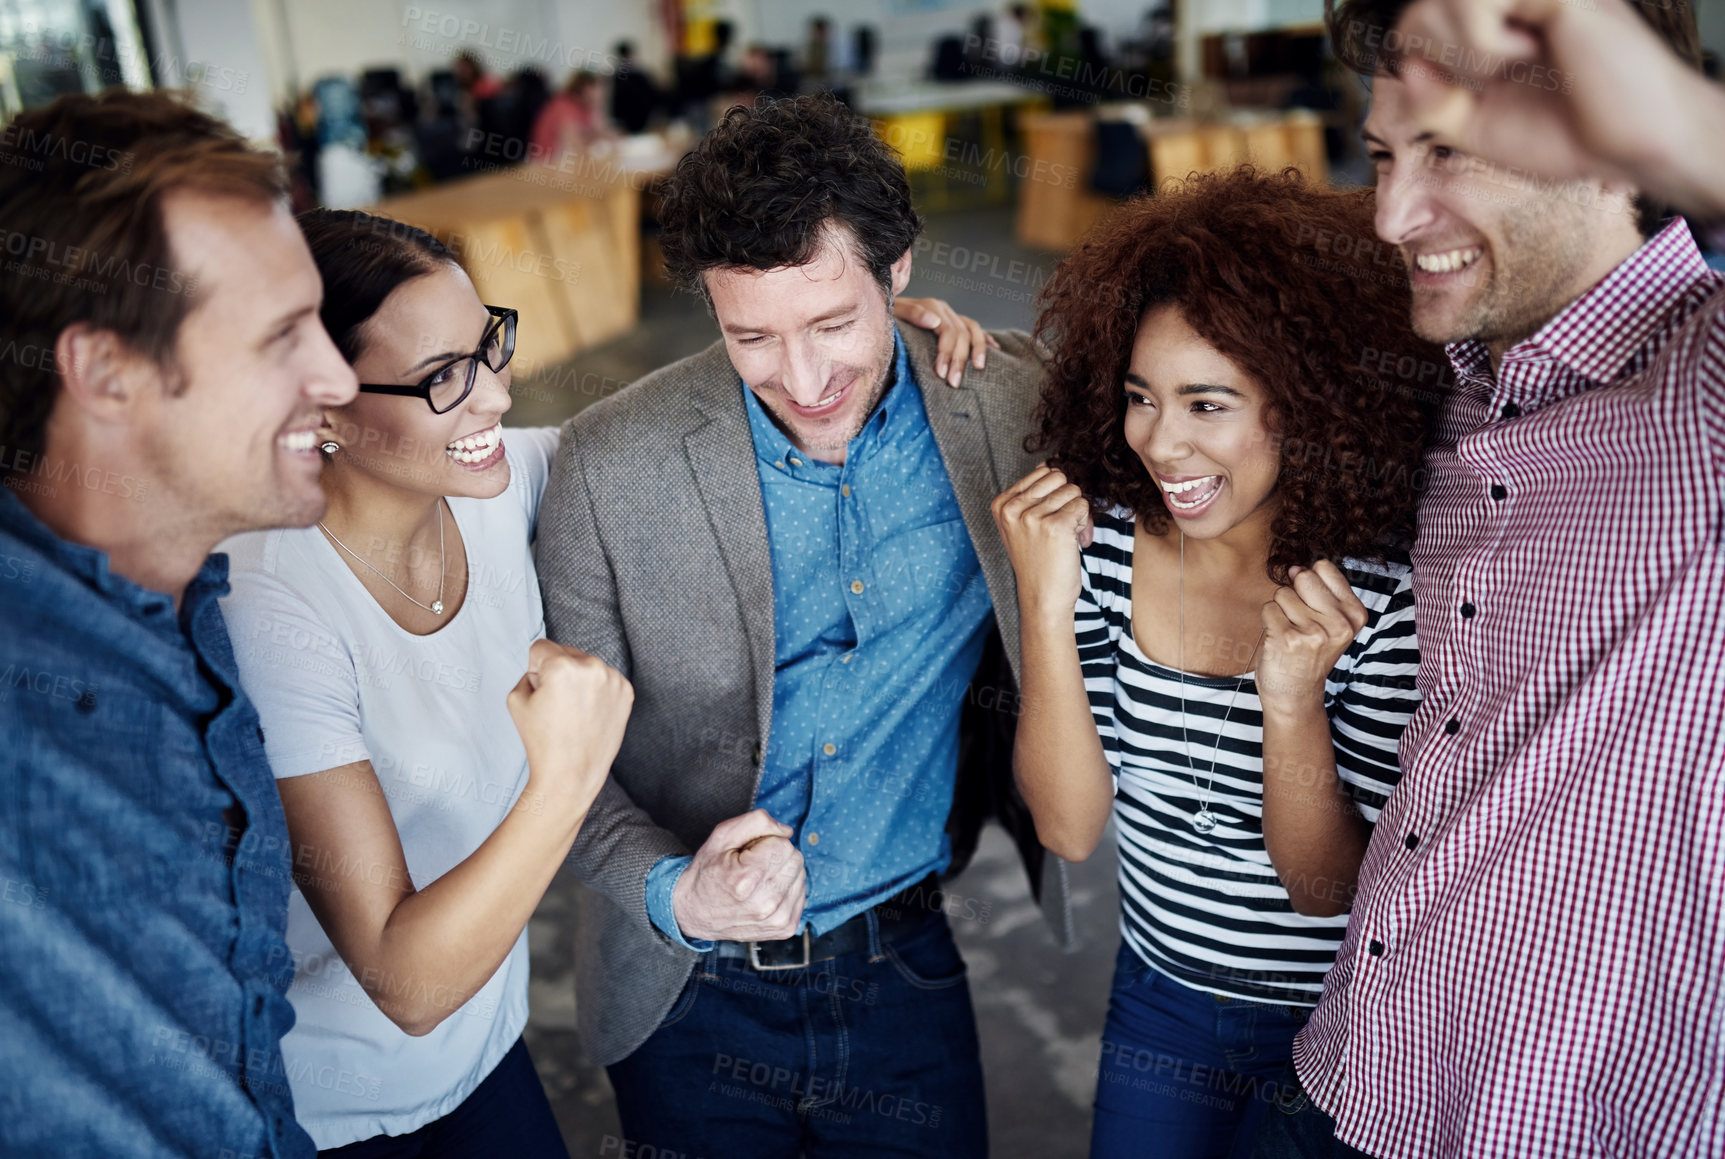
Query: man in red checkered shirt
[(1535, 963)]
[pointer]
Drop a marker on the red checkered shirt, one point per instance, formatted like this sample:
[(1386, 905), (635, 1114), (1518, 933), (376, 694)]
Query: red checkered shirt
[(1535, 962)]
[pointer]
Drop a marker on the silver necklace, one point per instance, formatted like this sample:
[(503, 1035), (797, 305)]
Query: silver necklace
[(1203, 820), (435, 606)]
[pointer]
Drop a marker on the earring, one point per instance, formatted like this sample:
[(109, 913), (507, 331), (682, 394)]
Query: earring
[(329, 448)]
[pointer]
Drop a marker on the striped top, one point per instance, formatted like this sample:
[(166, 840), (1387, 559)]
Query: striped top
[(1207, 909), (1536, 963)]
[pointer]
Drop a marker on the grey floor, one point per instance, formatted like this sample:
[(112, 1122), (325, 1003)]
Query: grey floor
[(1040, 1011)]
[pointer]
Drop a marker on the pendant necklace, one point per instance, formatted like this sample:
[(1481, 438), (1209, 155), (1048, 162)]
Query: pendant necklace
[(1203, 820), (435, 607)]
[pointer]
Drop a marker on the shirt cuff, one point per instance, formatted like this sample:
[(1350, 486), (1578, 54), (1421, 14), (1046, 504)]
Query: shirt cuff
[(661, 880)]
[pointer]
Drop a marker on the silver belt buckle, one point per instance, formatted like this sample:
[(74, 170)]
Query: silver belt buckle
[(755, 956)]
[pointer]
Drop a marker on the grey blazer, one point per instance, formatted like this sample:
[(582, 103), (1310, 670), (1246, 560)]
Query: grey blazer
[(652, 554)]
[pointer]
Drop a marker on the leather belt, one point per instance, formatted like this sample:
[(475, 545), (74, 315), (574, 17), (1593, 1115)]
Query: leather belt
[(896, 917)]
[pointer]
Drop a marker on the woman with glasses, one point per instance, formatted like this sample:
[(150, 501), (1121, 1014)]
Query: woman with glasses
[(434, 753), (431, 787)]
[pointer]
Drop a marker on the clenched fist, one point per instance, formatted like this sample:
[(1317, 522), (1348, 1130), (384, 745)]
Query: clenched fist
[(1307, 627), (745, 884), (570, 709), (1044, 521)]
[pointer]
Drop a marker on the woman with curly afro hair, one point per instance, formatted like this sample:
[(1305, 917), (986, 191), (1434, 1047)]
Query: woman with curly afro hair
[(1217, 618)]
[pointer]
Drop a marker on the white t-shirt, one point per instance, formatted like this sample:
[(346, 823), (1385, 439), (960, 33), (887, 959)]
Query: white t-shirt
[(336, 681)]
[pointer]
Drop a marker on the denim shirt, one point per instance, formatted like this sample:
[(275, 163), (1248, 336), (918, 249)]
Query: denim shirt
[(144, 870), (880, 612)]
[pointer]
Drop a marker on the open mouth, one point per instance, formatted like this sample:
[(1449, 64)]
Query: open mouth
[(298, 442), (1448, 261), (823, 407), (478, 451), (1189, 497)]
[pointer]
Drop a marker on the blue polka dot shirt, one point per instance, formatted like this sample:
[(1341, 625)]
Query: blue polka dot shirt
[(880, 611)]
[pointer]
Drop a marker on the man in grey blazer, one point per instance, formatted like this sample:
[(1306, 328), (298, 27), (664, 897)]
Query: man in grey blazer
[(785, 543)]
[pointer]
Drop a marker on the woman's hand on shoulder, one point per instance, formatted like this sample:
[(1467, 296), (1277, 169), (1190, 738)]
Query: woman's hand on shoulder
[(1307, 628), (1044, 521), (959, 337)]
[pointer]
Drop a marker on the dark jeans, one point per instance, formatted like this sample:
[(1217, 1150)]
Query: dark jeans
[(1294, 1128), (506, 1115), (867, 1054), (1191, 1070)]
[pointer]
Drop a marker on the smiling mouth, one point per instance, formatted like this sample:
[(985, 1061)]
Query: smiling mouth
[(1448, 261), (473, 450), (298, 442), (816, 409), (1190, 495)]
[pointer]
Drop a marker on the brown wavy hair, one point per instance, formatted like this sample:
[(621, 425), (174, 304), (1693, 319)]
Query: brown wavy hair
[(1290, 282)]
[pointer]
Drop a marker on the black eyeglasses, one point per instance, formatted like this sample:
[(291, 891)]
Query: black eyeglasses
[(447, 386)]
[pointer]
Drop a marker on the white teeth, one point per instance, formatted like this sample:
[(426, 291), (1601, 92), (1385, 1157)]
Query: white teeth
[(1449, 261), (1210, 483), (474, 448), (827, 399), (297, 441)]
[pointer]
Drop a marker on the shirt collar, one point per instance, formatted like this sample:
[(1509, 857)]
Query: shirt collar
[(773, 447), (1595, 336)]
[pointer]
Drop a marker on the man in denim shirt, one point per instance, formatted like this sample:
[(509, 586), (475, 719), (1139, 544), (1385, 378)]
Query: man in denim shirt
[(162, 373)]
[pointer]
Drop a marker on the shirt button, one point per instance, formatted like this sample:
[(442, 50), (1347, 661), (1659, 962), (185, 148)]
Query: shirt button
[(796, 462), (1499, 492), (846, 658), (1375, 948), (829, 749), (857, 587), (779, 463), (1510, 411), (755, 756), (845, 490), (1452, 726), (1467, 611), (1412, 841), (814, 838)]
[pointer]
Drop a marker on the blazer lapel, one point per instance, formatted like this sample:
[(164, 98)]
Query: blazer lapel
[(722, 456), (955, 417)]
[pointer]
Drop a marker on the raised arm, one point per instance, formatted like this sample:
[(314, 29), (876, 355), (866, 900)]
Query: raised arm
[(1568, 90), (421, 954), (1057, 758)]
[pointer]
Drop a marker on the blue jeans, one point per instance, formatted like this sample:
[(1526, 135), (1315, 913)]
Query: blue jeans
[(507, 1114), (867, 1054), (1295, 1128), (1192, 1071)]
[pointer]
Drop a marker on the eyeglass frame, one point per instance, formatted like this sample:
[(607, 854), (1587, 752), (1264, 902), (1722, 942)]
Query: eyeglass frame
[(501, 316)]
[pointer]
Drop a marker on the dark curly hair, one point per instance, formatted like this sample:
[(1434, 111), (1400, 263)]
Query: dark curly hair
[(759, 190), (1291, 283)]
